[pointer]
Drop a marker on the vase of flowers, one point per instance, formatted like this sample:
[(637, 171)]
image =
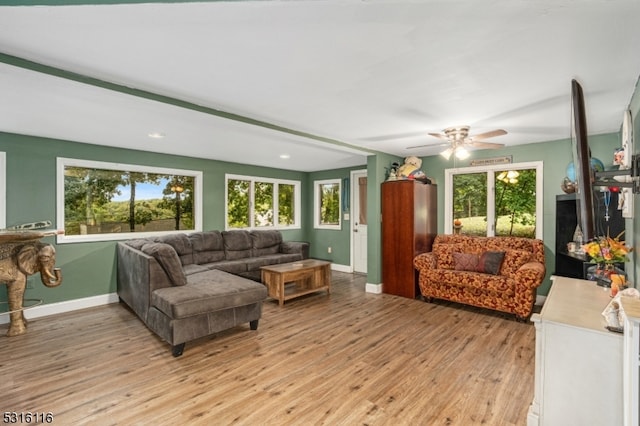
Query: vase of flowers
[(606, 252)]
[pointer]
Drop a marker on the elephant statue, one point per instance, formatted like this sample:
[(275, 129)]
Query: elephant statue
[(17, 261)]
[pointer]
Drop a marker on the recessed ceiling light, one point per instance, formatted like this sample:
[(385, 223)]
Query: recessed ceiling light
[(156, 135), (285, 156)]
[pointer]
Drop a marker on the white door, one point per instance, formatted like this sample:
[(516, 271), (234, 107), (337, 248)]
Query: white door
[(359, 220)]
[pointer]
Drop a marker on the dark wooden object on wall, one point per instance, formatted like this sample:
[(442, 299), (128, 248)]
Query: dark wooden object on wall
[(409, 226)]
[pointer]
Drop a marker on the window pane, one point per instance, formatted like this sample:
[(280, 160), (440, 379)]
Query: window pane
[(286, 204), (263, 211), (516, 203), (330, 204), (470, 202), (238, 203), (102, 201)]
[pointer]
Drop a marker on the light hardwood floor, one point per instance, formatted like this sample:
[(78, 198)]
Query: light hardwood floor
[(351, 358)]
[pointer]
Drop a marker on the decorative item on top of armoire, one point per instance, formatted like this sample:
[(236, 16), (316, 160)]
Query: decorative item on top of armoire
[(409, 226)]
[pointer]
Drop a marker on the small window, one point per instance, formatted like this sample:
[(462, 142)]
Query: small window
[(327, 204), (255, 202), (100, 201)]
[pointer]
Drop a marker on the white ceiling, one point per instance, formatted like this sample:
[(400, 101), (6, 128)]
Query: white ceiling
[(340, 77)]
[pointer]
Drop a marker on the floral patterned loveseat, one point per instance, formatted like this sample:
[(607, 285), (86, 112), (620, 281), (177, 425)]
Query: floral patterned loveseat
[(499, 273)]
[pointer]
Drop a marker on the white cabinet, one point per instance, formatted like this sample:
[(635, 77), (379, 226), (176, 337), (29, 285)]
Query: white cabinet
[(631, 361), (578, 372)]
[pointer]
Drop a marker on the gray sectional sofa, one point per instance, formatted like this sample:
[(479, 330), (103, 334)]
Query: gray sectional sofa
[(186, 286)]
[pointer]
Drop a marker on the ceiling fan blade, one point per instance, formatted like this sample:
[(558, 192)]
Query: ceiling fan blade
[(427, 146), (439, 136), (487, 135), (487, 145)]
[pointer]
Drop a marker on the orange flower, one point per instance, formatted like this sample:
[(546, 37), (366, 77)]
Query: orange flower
[(607, 250)]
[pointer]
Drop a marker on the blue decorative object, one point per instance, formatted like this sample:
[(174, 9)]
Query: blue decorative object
[(596, 166)]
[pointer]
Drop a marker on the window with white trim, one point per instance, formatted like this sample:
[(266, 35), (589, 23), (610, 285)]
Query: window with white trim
[(500, 200), (101, 201), (257, 202), (327, 202)]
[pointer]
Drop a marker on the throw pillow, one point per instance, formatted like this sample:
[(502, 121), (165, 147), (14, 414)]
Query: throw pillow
[(167, 257), (465, 261), (490, 262)]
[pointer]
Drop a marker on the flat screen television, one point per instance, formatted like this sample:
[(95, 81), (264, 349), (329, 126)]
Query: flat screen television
[(582, 163)]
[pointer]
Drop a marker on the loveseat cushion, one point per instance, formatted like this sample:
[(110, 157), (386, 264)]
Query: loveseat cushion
[(168, 260), (265, 242), (181, 244), (207, 247), (480, 283), (207, 292), (513, 260), (237, 244)]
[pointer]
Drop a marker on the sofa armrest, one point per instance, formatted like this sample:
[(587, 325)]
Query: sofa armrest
[(295, 247), (138, 276), (425, 261), (530, 274)]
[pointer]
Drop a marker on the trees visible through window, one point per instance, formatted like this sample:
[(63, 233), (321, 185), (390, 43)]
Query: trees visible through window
[(496, 200), (254, 202), (327, 204), (105, 201)]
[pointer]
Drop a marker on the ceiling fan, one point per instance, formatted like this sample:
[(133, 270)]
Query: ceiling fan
[(458, 139)]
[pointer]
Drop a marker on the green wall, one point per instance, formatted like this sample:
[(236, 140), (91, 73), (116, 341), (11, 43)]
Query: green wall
[(89, 269)]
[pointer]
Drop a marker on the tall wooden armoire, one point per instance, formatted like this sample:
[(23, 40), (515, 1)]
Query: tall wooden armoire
[(409, 226)]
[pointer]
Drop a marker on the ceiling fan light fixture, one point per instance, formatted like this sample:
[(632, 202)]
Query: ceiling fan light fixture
[(462, 153), (447, 153)]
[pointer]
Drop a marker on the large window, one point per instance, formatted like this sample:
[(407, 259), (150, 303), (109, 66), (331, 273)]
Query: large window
[(326, 195), (501, 200), (98, 201), (255, 202)]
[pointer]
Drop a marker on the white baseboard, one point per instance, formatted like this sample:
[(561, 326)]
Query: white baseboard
[(66, 306), (540, 300), (341, 268), (373, 288)]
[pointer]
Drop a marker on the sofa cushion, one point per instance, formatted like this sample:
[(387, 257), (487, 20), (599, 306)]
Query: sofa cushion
[(465, 261), (513, 260), (207, 292), (237, 244), (490, 262), (266, 242), (237, 267), (181, 244), (168, 260), (137, 243), (194, 269), (207, 247)]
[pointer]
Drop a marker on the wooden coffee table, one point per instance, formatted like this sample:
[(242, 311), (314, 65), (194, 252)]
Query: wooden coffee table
[(309, 276)]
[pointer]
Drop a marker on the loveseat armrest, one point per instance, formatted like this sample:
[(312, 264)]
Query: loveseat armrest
[(295, 247), (530, 275), (425, 261)]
